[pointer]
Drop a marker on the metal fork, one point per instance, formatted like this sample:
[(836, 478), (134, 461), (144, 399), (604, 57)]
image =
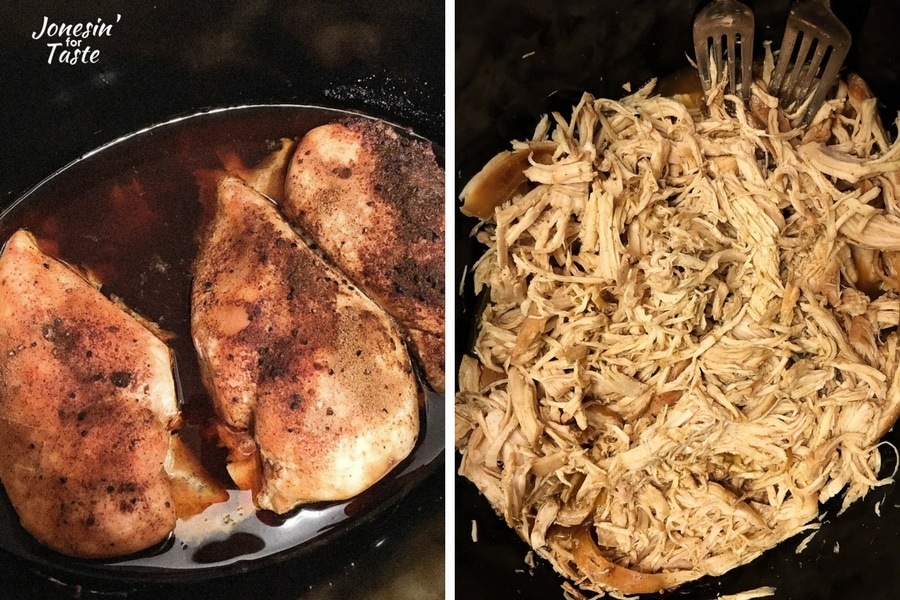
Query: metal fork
[(821, 34), (733, 22)]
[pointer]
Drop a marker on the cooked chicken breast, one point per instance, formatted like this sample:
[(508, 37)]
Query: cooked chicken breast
[(373, 201), (428, 348), (87, 398), (310, 377)]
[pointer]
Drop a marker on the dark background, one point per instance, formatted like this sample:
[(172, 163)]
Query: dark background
[(516, 60), (168, 58)]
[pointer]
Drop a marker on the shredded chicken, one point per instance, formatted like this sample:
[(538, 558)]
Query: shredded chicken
[(690, 339)]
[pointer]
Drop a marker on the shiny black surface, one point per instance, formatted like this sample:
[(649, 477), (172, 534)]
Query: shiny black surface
[(398, 555), (540, 56), (166, 59)]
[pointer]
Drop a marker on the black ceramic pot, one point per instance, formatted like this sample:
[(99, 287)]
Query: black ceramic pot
[(516, 60), (145, 63)]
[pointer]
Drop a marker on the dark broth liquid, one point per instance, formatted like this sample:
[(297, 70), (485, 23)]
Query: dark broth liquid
[(130, 214)]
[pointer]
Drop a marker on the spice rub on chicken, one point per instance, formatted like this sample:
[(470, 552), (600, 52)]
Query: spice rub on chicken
[(372, 199), (691, 334), (309, 376), (87, 404)]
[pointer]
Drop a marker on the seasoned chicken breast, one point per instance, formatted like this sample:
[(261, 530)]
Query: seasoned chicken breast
[(373, 201), (309, 376), (87, 399)]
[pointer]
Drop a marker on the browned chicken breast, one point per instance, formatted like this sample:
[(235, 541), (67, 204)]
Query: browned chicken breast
[(87, 399), (373, 201), (309, 376)]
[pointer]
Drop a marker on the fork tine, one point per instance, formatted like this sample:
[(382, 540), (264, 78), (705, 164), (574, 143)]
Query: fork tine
[(791, 83), (732, 66), (810, 75), (717, 53), (787, 48), (746, 63), (701, 54)]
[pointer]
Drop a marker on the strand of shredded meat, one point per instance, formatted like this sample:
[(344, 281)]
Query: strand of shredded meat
[(690, 337)]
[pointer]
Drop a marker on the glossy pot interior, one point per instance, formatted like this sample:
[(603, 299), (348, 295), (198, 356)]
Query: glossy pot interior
[(539, 56)]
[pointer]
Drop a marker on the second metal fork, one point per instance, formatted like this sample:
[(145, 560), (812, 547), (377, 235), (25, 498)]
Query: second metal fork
[(721, 30), (821, 35)]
